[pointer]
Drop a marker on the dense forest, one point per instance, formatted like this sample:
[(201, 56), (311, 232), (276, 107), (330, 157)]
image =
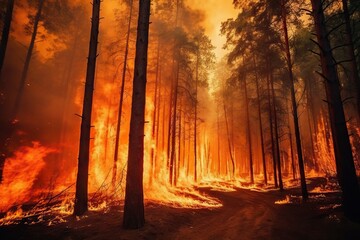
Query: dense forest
[(177, 116)]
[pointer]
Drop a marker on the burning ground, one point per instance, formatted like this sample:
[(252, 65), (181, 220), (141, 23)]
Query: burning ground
[(247, 212)]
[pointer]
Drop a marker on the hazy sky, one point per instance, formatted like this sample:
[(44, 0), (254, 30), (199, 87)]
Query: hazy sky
[(217, 11)]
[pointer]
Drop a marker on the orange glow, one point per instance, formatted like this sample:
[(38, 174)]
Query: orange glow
[(27, 173), (20, 174)]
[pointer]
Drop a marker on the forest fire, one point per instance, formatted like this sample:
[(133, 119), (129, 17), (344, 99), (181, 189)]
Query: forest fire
[(20, 173), (213, 113)]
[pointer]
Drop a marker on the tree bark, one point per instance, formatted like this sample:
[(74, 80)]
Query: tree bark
[(134, 195), (81, 195), (293, 103), (343, 155)]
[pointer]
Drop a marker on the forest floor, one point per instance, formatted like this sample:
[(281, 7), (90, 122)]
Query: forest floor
[(246, 214)]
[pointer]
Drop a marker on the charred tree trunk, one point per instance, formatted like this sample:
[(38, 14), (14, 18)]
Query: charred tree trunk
[(122, 90), (343, 154), (351, 51), (81, 195), (5, 32), (134, 195), (294, 104)]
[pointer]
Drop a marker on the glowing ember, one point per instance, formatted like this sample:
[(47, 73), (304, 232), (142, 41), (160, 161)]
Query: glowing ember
[(287, 200)]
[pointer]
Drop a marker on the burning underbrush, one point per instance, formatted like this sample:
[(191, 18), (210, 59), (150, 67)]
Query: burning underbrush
[(20, 174), (24, 200), (58, 208)]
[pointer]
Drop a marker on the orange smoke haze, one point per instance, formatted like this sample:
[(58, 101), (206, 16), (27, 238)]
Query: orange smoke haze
[(216, 12)]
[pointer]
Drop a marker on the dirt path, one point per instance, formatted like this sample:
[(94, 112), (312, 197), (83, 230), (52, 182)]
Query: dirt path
[(253, 215), (245, 215)]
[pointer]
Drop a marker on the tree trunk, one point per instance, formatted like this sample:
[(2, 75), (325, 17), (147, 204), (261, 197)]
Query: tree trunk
[(158, 106), (248, 132), (312, 145), (122, 90), (218, 143), (260, 125), (294, 104), (291, 146), (229, 142), (271, 126), (24, 73), (195, 117), (343, 154), (155, 114), (134, 194), (170, 120), (179, 145), (276, 131), (172, 164), (5, 32), (312, 125), (81, 196), (351, 52)]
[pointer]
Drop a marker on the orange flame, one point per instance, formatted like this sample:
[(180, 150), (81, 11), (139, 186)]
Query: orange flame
[(20, 173)]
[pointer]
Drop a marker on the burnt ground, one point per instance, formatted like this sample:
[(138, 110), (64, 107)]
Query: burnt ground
[(245, 214)]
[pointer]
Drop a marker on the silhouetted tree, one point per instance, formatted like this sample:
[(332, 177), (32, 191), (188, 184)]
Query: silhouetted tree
[(5, 32), (81, 195), (343, 154), (134, 197)]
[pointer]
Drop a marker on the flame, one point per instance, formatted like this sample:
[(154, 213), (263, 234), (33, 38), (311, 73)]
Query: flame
[(20, 174), (324, 149), (22, 171), (287, 200)]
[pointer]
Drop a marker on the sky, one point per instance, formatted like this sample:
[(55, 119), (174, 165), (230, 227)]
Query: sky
[(216, 11)]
